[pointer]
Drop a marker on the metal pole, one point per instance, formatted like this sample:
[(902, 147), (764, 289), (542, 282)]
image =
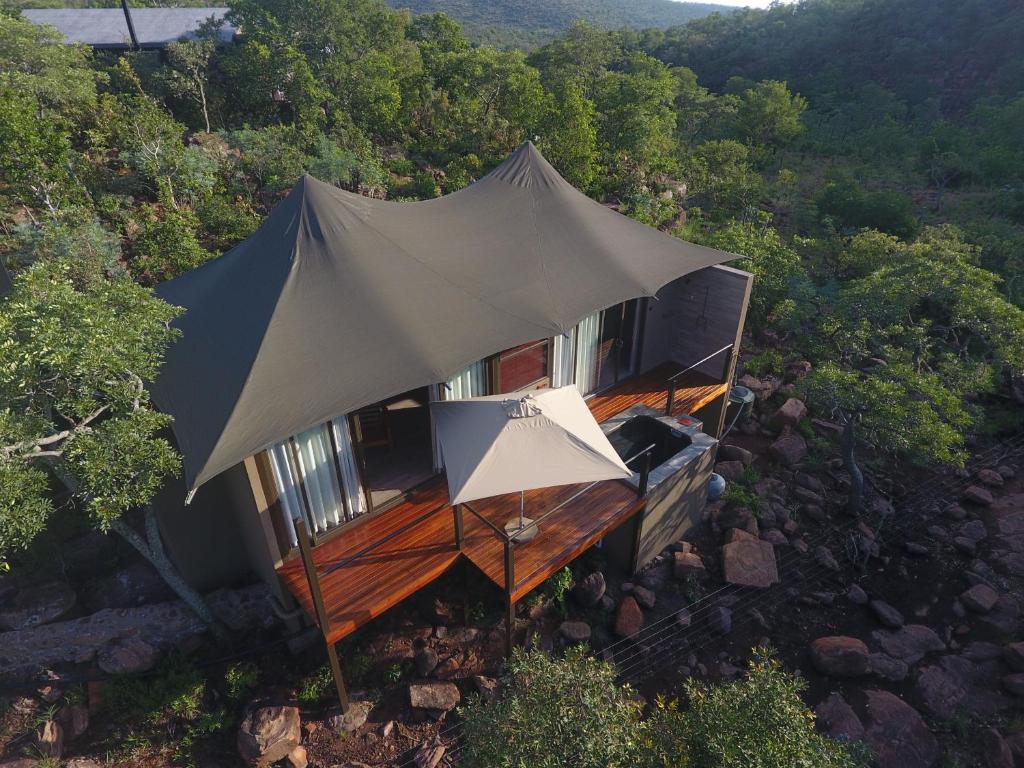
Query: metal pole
[(671, 397), (321, 613), (131, 24), (510, 577), (645, 474), (522, 505)]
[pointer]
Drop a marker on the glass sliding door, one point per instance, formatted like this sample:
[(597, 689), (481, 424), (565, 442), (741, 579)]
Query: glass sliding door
[(605, 347), (586, 341)]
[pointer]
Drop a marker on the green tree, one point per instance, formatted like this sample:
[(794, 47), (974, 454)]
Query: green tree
[(567, 136), (73, 368), (553, 713), (769, 115), (187, 73)]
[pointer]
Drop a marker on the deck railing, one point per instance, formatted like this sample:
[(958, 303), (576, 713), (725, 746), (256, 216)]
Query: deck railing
[(670, 400)]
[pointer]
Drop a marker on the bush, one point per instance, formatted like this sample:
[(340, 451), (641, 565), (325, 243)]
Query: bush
[(756, 722), (555, 713), (851, 207)]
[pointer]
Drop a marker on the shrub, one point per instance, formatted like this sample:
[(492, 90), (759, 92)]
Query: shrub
[(756, 722), (767, 363), (555, 713)]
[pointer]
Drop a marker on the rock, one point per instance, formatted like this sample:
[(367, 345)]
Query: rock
[(74, 719), (297, 757), (886, 614), (1013, 655), (439, 696), (808, 497), (789, 449), (974, 530), (738, 534), (896, 733), (1007, 473), (840, 656), (967, 546), (50, 739), (856, 595), (990, 478), (589, 590), (425, 661), (888, 668), (995, 750), (686, 564), (429, 754), (750, 563), (20, 762), (790, 413), (915, 548), (955, 512), (810, 482), (720, 620), (269, 734), (1014, 683), (728, 517), (838, 719), (77, 762), (823, 556), (735, 453), (980, 598), (683, 618), (487, 687), (942, 687), (977, 495), (127, 656), (37, 605), (909, 643), (575, 631), (644, 597), (730, 470), (774, 537), (629, 619)]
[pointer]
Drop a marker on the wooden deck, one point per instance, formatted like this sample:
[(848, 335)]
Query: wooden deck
[(368, 586)]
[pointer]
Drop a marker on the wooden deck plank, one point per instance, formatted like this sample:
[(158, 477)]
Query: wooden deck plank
[(363, 590)]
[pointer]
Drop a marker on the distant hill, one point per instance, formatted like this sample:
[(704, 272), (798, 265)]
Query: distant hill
[(531, 22), (950, 52)]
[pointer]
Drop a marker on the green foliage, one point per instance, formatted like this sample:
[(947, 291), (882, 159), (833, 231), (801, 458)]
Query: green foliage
[(769, 115), (722, 178), (72, 366), (768, 362), (166, 244), (758, 721), (557, 589), (553, 713), (240, 678), (851, 207), (315, 686)]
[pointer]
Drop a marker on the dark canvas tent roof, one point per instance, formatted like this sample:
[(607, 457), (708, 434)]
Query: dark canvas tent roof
[(339, 300), (108, 27)]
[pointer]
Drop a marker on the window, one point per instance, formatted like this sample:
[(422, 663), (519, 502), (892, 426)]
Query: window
[(316, 478), (523, 366), (604, 347)]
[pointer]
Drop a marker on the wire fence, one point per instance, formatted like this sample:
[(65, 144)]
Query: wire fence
[(658, 644)]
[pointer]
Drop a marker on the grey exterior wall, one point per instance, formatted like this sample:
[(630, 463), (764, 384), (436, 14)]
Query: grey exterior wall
[(696, 315)]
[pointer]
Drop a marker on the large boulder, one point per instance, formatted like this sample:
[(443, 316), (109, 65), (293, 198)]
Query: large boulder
[(980, 598), (886, 614), (749, 562), (991, 478), (589, 590), (789, 449), (730, 470), (269, 734), (840, 656), (897, 735), (791, 413), (437, 696), (728, 452), (685, 564), (629, 619), (838, 720), (575, 631), (38, 605), (977, 495), (909, 643), (943, 687), (127, 656)]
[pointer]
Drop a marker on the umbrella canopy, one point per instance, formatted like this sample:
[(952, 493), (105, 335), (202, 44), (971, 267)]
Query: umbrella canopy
[(338, 301), (505, 444)]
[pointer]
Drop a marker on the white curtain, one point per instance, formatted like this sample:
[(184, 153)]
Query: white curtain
[(471, 382), (355, 500), (587, 336), (330, 503), (561, 360)]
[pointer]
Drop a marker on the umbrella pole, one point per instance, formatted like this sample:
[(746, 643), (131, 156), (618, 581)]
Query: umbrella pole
[(521, 528)]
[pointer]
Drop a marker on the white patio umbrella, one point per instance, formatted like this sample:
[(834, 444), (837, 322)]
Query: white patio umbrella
[(514, 443)]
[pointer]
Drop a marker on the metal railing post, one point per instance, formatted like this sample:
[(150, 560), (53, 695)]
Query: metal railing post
[(670, 401), (510, 577), (645, 474), (322, 618)]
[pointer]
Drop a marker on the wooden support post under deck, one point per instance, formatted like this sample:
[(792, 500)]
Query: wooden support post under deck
[(510, 579), (321, 613)]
